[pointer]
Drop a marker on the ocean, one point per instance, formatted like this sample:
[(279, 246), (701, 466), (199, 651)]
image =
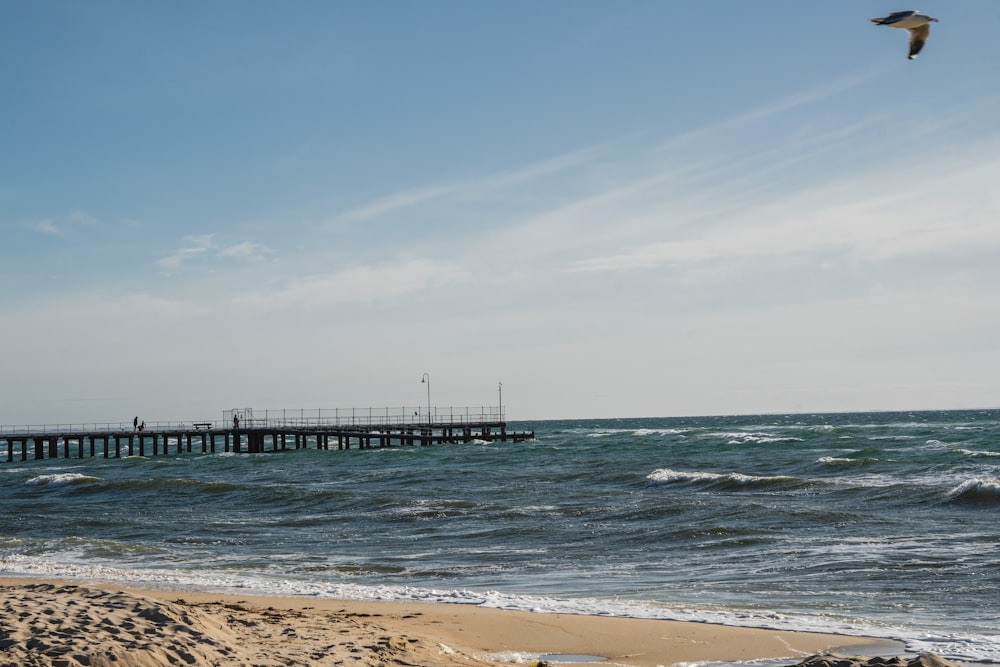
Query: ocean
[(882, 524)]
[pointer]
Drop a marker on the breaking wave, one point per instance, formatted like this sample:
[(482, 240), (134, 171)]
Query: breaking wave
[(731, 480), (976, 492), (62, 479)]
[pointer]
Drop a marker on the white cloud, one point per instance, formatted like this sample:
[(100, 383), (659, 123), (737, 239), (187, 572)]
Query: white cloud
[(194, 246), (246, 250), (205, 245), (47, 226), (472, 189), (66, 226), (804, 98), (887, 209), (357, 285), (397, 201)]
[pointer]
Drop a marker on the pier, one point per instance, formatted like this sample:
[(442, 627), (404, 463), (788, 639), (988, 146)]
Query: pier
[(241, 431)]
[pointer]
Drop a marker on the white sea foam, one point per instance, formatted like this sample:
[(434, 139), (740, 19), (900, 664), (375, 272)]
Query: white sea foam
[(750, 437), (61, 479), (667, 476), (837, 460), (977, 453), (640, 432), (607, 432), (514, 657)]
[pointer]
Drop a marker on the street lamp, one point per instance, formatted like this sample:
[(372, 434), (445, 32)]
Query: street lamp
[(427, 379), (500, 391)]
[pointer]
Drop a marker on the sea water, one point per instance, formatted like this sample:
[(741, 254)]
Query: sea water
[(884, 524)]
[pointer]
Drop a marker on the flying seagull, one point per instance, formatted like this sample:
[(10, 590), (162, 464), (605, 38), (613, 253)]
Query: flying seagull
[(918, 24)]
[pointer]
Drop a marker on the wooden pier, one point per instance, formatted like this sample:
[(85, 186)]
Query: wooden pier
[(256, 437)]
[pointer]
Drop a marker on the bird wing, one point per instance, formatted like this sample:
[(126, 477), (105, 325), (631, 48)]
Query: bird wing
[(895, 17), (918, 36)]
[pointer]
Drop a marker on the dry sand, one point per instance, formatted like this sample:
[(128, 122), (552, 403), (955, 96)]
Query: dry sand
[(68, 624)]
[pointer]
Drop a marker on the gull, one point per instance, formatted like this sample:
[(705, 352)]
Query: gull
[(919, 26)]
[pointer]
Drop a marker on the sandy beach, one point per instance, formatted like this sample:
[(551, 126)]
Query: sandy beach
[(61, 623)]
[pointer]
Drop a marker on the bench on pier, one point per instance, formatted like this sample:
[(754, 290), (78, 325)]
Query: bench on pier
[(202, 426)]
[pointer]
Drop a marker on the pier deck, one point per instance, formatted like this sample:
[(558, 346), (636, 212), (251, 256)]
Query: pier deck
[(257, 436)]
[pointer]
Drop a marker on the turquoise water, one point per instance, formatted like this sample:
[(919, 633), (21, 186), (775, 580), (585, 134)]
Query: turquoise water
[(875, 523)]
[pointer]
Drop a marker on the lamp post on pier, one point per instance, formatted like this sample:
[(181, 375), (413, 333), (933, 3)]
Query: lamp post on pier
[(500, 391), (427, 379)]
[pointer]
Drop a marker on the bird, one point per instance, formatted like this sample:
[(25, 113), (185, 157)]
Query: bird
[(918, 24)]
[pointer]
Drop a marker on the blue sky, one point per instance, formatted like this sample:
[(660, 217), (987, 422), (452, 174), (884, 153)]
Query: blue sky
[(615, 209)]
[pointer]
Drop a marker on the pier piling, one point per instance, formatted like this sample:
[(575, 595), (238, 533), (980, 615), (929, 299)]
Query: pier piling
[(25, 446), (241, 433)]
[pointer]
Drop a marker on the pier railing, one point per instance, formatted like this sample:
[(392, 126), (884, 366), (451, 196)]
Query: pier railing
[(289, 418), (89, 427), (343, 417)]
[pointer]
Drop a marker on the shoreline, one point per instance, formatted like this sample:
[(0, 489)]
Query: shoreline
[(105, 623)]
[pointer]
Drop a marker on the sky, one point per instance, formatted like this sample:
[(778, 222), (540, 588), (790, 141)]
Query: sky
[(610, 209)]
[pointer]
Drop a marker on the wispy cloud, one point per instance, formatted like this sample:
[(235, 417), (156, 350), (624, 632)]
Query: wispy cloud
[(778, 107), (901, 214), (397, 201), (614, 194), (194, 246), (47, 226), (65, 226), (357, 285), (784, 180), (246, 251), (202, 246), (471, 189), (538, 170)]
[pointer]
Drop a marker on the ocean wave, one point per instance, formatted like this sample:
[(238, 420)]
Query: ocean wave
[(976, 492), (846, 461), (192, 485), (977, 453), (753, 438), (731, 480), (643, 432), (639, 433), (62, 479)]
